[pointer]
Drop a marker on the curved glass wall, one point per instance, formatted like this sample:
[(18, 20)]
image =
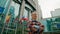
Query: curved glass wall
[(53, 24), (13, 9), (27, 11), (25, 14)]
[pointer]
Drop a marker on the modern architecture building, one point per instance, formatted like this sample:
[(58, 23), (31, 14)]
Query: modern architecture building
[(16, 8), (56, 19), (56, 13), (52, 24)]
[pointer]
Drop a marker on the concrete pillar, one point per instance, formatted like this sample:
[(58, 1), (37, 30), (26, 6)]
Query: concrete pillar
[(22, 9), (21, 13)]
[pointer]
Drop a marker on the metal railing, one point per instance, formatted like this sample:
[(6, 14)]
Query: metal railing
[(13, 28)]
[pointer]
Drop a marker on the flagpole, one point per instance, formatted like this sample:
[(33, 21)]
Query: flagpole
[(6, 15)]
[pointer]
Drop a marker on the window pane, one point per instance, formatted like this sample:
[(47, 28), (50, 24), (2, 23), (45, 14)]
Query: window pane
[(25, 13)]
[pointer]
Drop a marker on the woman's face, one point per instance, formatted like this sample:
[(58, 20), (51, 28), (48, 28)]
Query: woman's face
[(34, 16)]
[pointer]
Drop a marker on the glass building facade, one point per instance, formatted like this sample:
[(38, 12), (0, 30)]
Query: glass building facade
[(11, 15), (53, 24)]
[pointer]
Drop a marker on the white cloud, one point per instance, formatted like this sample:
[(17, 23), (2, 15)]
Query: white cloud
[(47, 6)]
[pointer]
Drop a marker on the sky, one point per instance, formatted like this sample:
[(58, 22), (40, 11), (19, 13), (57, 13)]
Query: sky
[(47, 6)]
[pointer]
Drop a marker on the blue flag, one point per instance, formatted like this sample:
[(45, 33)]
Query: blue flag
[(1, 9)]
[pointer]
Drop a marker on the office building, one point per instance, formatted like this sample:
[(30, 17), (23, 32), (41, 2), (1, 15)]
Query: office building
[(16, 8)]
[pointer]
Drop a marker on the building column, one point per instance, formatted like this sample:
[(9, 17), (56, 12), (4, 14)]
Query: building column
[(22, 8), (21, 14)]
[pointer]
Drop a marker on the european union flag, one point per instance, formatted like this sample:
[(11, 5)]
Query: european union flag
[(1, 9)]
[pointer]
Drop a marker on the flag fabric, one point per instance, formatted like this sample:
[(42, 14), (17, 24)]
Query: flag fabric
[(8, 18), (1, 9)]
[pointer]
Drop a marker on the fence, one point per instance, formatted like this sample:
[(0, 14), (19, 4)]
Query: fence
[(13, 28)]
